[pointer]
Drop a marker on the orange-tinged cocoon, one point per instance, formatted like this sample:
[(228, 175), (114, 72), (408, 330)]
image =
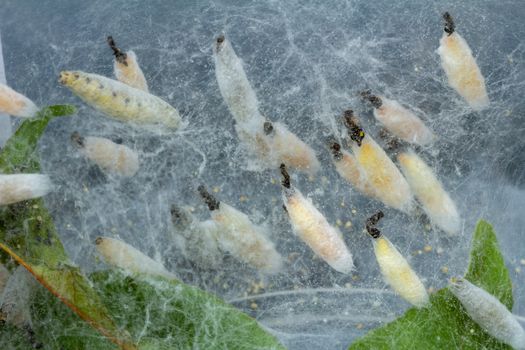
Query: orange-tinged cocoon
[(403, 123), (242, 238), (384, 177), (489, 313), (120, 254), (126, 68), (461, 68), (120, 101), (18, 187), (348, 168), (428, 190), (313, 229), (395, 269), (110, 156), (16, 104)]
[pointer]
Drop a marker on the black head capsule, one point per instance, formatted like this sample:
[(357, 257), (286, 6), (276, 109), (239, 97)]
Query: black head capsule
[(373, 99), (354, 130), (213, 204), (78, 140), (335, 147), (286, 176), (219, 42), (393, 144), (178, 216), (268, 128), (119, 55), (449, 24), (371, 222)]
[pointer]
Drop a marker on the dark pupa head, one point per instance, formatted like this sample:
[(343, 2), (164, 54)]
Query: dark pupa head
[(352, 124), (219, 42), (286, 177), (119, 55), (373, 99), (178, 215), (268, 128), (77, 139), (371, 223), (449, 24), (99, 240), (335, 148), (212, 202)]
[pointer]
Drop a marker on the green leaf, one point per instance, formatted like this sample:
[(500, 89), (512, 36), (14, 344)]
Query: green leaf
[(444, 324), (28, 235)]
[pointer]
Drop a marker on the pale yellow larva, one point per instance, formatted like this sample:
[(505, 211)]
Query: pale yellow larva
[(395, 269), (120, 254), (126, 67), (400, 121), (16, 104), (312, 228), (461, 68), (489, 313), (242, 238), (110, 156), (120, 101), (18, 187), (428, 190)]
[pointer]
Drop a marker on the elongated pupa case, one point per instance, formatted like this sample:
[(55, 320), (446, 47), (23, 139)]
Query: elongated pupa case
[(428, 190), (126, 67), (348, 168), (385, 178), (15, 300), (242, 238), (395, 269), (19, 187), (120, 254), (289, 149), (403, 123), (120, 101), (312, 228), (233, 83), (461, 68), (196, 239), (16, 104), (110, 156), (489, 313)]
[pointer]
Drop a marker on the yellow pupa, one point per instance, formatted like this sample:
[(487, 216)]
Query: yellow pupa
[(428, 190), (242, 238), (313, 228), (126, 67), (384, 177), (395, 269), (120, 254), (120, 101), (400, 121), (460, 67), (110, 156), (16, 104)]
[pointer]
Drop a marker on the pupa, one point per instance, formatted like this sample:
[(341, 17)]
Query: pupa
[(242, 238), (489, 313), (400, 121), (384, 177), (395, 269), (348, 168), (120, 254), (461, 68), (110, 156), (16, 104), (19, 187), (313, 228), (15, 300), (428, 190), (120, 101), (126, 67), (196, 239)]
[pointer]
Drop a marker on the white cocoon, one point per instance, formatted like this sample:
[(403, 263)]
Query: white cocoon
[(245, 241), (489, 313), (16, 104), (120, 254), (18, 187), (428, 190), (115, 158)]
